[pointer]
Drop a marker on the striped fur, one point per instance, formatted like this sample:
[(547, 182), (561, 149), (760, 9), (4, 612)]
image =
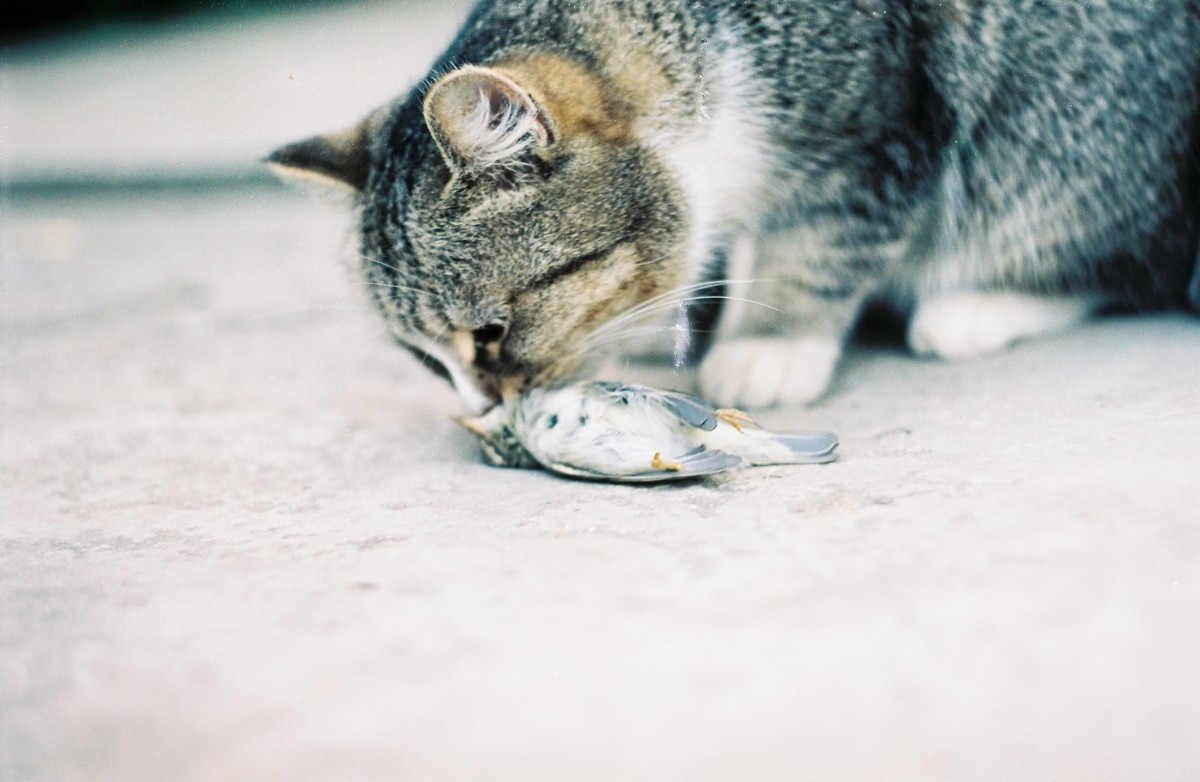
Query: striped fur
[(566, 166)]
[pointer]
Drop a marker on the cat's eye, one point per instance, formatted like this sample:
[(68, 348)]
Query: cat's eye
[(568, 268)]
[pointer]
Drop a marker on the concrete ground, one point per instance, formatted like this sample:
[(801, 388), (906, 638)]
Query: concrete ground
[(240, 538)]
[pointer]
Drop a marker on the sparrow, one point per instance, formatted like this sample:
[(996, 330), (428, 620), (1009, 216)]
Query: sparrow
[(631, 433)]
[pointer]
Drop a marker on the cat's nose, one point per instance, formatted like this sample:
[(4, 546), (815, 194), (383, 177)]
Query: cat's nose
[(480, 346)]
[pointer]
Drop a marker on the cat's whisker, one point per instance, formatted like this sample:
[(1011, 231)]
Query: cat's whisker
[(605, 334), (390, 267), (393, 286), (652, 307), (625, 334), (672, 297), (379, 262), (588, 345), (442, 331), (674, 294), (640, 313)]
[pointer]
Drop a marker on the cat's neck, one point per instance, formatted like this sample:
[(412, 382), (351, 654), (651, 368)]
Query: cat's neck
[(739, 137), (719, 153)]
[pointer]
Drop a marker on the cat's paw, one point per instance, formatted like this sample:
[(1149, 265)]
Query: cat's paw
[(965, 324), (758, 373)]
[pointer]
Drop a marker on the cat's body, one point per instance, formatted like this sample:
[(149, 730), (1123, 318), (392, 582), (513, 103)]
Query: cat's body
[(998, 167)]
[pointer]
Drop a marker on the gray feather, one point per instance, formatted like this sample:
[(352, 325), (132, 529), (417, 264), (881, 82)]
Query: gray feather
[(762, 448), (811, 447), (696, 463), (689, 409)]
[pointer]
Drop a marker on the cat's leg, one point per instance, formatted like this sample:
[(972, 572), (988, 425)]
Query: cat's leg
[(758, 372), (788, 313), (967, 323)]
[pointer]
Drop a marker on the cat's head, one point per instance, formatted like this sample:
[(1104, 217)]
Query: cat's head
[(505, 213)]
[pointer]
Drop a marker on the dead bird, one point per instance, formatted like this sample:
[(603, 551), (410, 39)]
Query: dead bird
[(633, 433)]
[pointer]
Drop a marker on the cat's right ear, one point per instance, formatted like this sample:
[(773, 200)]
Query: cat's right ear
[(481, 119), (333, 164)]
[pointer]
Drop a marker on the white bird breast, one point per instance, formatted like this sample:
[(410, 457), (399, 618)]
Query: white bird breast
[(569, 426)]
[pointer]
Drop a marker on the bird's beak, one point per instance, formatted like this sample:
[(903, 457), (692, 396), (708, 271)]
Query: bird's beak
[(472, 425)]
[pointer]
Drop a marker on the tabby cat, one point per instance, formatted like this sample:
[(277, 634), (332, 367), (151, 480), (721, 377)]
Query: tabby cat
[(995, 168)]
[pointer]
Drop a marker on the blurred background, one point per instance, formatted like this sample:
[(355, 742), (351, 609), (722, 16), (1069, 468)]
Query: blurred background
[(124, 93), (28, 20)]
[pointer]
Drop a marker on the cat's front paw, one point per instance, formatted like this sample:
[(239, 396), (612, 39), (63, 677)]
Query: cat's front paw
[(964, 324), (758, 373)]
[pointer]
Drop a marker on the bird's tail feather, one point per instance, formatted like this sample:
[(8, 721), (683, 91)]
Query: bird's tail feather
[(802, 448)]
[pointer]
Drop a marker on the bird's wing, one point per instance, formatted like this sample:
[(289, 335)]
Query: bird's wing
[(692, 410), (696, 463)]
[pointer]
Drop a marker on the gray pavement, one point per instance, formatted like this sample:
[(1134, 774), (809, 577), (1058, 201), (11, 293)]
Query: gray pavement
[(240, 538)]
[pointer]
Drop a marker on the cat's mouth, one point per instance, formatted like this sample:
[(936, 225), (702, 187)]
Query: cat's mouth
[(517, 360), (481, 391)]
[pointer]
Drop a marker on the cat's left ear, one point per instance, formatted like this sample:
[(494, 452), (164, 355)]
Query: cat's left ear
[(335, 163), (482, 119)]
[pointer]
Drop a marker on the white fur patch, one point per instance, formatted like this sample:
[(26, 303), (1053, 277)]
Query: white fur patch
[(758, 373), (481, 118), (489, 137), (722, 162), (958, 325)]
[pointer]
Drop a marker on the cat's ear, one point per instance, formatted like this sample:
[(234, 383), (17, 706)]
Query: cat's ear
[(333, 163), (482, 119)]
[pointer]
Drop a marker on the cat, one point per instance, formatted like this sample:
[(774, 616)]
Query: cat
[(997, 169)]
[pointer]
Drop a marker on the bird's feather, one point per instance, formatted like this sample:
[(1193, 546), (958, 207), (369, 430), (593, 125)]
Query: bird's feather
[(689, 409), (695, 463), (759, 447)]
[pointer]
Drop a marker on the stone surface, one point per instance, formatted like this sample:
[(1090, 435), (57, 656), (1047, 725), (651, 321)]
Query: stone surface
[(242, 539)]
